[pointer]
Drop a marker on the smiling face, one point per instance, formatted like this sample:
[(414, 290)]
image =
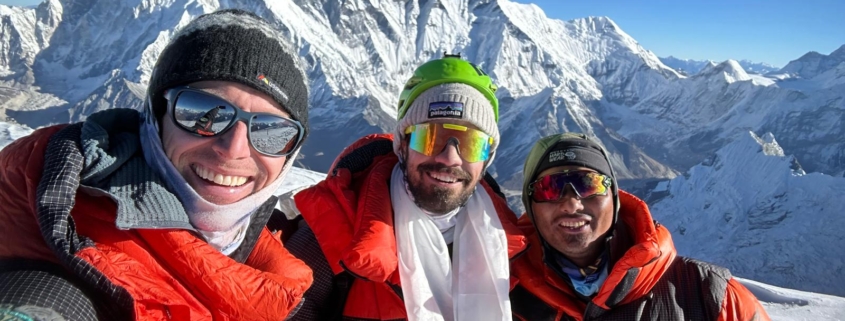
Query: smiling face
[(223, 169), (574, 227), (443, 182)]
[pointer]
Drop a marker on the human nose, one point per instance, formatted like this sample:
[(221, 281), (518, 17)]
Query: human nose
[(569, 202), (234, 144), (449, 156)]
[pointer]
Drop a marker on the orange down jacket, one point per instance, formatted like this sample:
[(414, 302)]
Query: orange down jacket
[(648, 282), (352, 218), (153, 274)]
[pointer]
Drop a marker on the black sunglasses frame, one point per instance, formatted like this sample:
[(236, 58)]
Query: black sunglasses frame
[(172, 95), (606, 182)]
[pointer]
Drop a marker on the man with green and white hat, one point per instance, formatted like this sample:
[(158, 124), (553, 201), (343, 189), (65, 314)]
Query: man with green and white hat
[(409, 225)]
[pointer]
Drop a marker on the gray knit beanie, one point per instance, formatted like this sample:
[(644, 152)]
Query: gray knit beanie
[(450, 101)]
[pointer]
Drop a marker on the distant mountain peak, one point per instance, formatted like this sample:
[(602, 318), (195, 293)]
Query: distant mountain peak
[(601, 25), (731, 65), (839, 53), (813, 63), (730, 69), (811, 55), (692, 67), (598, 21)]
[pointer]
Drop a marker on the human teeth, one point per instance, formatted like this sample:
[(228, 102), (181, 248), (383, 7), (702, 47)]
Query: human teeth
[(219, 179), (574, 224), (444, 178)]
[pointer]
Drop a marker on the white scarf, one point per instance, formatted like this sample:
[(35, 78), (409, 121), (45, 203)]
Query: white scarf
[(478, 288), (222, 226)]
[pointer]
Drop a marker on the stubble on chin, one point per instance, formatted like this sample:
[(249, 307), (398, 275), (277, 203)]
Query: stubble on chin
[(436, 199)]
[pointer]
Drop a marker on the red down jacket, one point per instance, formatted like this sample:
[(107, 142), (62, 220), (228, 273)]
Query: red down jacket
[(168, 274), (648, 282), (351, 215)]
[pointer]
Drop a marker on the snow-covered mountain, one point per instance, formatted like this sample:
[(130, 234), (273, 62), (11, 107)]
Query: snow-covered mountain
[(691, 118), (692, 67), (64, 60), (787, 231), (360, 54), (813, 63), (757, 67)]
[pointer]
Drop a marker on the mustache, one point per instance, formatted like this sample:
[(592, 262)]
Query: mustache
[(583, 216), (440, 168)]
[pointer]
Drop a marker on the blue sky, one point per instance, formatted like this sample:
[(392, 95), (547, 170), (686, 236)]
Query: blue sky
[(19, 2), (774, 31)]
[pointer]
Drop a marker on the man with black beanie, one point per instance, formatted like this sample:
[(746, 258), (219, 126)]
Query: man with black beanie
[(597, 253), (163, 214)]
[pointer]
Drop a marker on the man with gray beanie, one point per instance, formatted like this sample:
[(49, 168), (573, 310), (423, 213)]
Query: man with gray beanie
[(409, 225), (163, 214), (597, 253)]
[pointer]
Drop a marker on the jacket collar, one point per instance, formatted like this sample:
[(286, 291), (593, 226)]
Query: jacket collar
[(110, 147)]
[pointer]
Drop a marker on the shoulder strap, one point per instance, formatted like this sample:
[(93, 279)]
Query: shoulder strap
[(493, 184)]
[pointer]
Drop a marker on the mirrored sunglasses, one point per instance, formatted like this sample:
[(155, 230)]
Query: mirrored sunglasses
[(586, 184), (207, 115), (431, 138)]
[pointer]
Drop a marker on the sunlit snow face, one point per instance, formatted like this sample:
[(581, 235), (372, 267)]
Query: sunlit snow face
[(443, 182), (575, 227), (224, 169)]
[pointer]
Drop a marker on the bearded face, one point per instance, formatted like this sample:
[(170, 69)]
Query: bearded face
[(442, 182)]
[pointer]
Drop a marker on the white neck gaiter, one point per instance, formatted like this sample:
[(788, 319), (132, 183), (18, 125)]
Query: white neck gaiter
[(445, 223)]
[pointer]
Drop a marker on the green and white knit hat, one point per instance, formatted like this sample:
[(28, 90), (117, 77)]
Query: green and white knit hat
[(449, 88)]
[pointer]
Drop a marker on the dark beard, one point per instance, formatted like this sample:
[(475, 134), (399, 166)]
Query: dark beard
[(438, 200)]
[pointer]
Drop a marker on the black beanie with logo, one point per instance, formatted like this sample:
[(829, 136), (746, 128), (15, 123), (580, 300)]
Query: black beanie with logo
[(232, 45), (576, 151)]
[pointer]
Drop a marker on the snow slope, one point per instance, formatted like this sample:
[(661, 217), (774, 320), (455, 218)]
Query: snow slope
[(10, 132), (787, 231)]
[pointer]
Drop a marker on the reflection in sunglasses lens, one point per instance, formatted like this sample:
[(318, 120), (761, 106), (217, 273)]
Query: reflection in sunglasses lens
[(585, 184), (273, 135), (202, 114)]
